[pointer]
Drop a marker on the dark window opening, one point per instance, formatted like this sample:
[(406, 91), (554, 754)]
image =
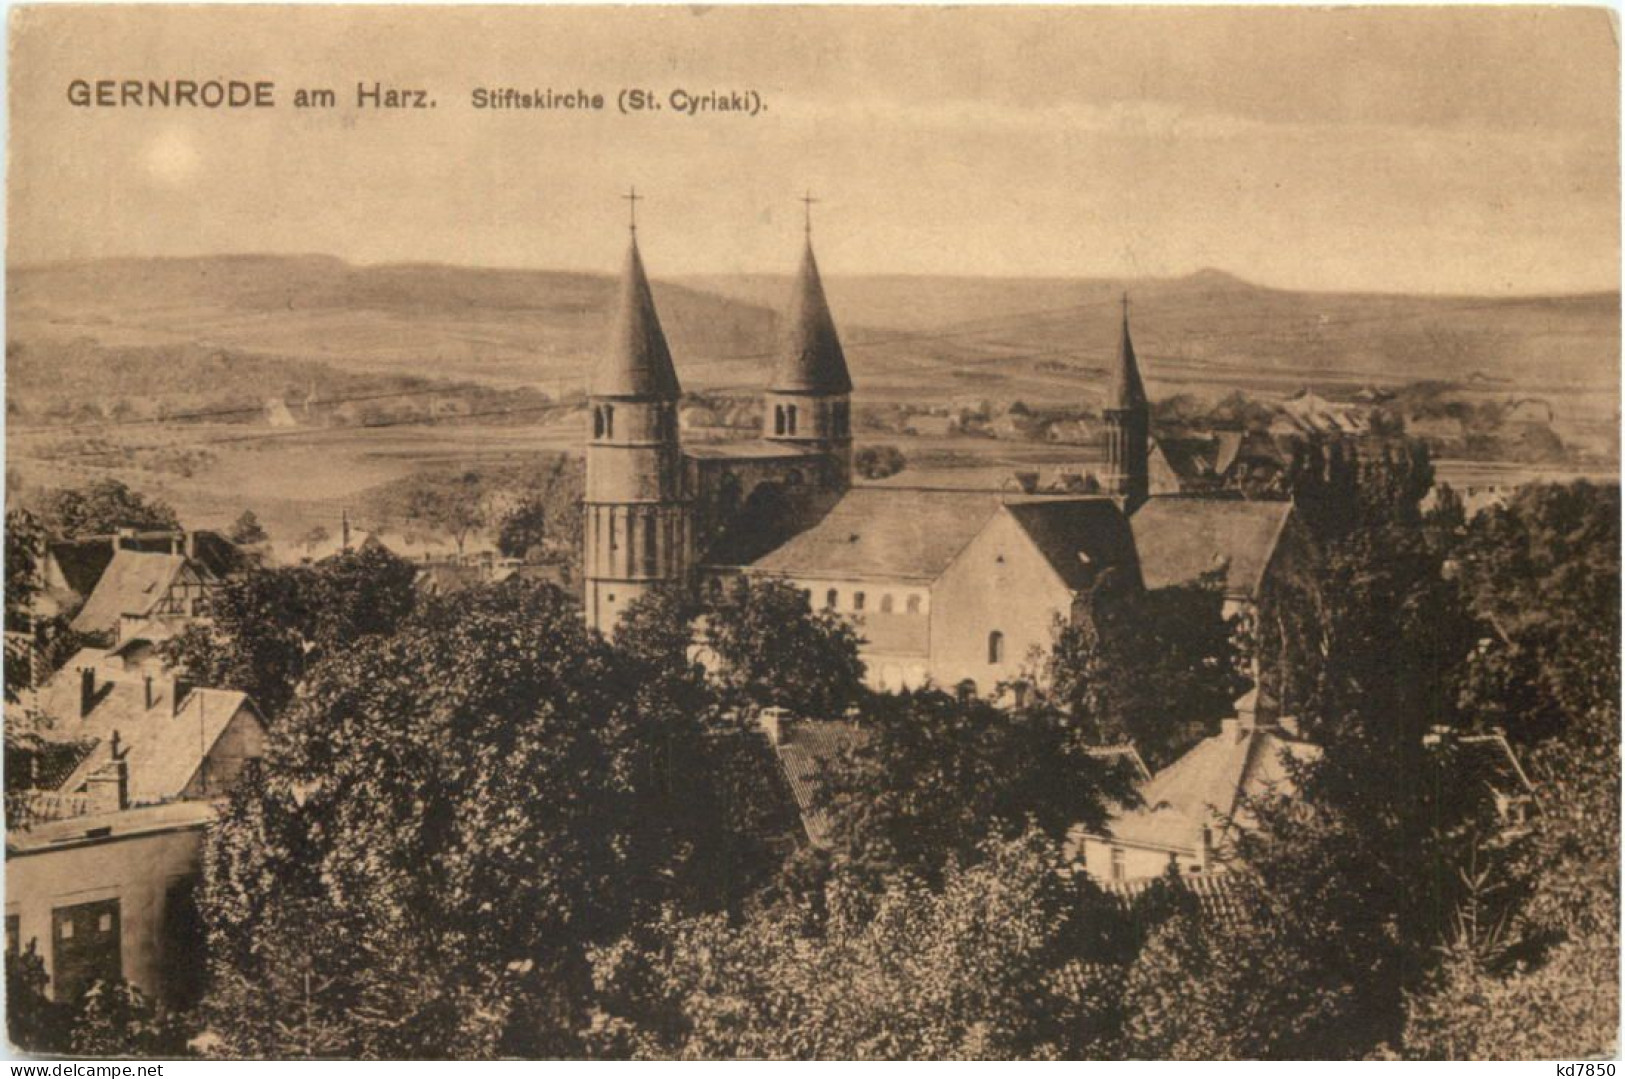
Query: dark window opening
[(831, 599), (86, 947), (995, 647)]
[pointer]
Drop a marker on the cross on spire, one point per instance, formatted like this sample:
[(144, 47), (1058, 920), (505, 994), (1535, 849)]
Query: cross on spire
[(632, 197), (807, 201)]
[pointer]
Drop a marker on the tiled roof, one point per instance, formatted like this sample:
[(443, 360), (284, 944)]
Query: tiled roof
[(1077, 537), (1206, 784), (1220, 896), (139, 820), (812, 360), (889, 533), (82, 561), (1180, 539), (133, 583), (163, 749), (638, 361), (802, 748)]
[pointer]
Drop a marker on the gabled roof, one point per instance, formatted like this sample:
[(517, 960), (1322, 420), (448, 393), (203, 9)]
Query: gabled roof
[(638, 361), (1180, 539), (164, 749), (1127, 391), (83, 560), (133, 583), (884, 533), (1207, 783), (812, 360), (1078, 537), (802, 749)]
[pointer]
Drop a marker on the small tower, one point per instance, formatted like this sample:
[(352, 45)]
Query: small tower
[(1128, 428), (638, 532), (808, 403)]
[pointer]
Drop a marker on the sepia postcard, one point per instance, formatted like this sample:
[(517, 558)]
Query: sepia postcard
[(812, 533)]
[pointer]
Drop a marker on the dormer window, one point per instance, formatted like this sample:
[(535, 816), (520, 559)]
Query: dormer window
[(778, 419), (790, 415), (598, 423)]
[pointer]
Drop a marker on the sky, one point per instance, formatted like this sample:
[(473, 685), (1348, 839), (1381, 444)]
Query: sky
[(1450, 150)]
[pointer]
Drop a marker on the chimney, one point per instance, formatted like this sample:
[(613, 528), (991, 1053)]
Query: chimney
[(191, 544), (182, 688), (1231, 729), (122, 538), (775, 723), (108, 787), (149, 694), (87, 690), (177, 542)]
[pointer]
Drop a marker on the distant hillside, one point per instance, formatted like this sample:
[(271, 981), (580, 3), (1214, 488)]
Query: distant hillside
[(511, 326), (908, 338), (1207, 324)]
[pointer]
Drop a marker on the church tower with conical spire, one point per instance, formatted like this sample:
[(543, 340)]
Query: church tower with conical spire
[(809, 401), (638, 527), (1128, 428)]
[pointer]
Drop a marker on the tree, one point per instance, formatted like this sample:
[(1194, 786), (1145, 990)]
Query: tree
[(314, 538), (99, 508), (1157, 668), (449, 816), (247, 530), (34, 1022), (878, 462), (998, 962), (453, 504), (269, 627), (934, 776), (775, 650), (115, 1019), (1543, 573), (523, 529)]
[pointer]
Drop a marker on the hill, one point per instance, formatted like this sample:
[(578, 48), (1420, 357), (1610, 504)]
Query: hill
[(915, 338)]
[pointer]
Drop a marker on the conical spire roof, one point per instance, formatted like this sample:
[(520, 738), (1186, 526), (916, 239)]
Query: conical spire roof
[(638, 361), (1127, 391), (812, 360)]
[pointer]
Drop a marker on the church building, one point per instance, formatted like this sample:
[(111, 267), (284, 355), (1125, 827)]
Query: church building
[(961, 588)]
